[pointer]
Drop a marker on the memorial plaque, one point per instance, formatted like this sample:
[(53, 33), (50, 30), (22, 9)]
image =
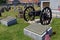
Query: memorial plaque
[(37, 31), (8, 21)]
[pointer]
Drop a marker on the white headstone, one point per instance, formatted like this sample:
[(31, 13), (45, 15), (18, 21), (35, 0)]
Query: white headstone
[(54, 4)]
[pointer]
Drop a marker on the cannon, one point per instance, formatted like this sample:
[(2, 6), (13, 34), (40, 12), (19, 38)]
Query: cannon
[(45, 14)]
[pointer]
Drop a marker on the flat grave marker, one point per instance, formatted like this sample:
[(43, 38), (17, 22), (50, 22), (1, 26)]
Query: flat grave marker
[(8, 21), (37, 31)]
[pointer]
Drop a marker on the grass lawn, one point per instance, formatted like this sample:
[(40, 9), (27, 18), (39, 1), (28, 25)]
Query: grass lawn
[(56, 27), (15, 32)]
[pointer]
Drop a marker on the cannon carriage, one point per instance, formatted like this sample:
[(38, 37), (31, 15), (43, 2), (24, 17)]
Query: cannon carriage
[(45, 14)]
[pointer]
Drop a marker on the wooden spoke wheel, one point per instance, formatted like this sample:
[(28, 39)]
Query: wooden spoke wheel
[(28, 15), (46, 16)]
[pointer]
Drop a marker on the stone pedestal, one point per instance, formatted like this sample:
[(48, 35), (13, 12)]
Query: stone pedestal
[(8, 21), (37, 31)]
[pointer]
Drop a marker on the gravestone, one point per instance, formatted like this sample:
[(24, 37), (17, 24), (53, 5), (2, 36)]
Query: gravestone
[(8, 21), (37, 31)]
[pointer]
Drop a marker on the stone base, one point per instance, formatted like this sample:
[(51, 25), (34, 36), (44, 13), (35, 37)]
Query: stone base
[(8, 21), (37, 31)]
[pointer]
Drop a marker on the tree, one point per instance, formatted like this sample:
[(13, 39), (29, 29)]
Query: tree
[(2, 1)]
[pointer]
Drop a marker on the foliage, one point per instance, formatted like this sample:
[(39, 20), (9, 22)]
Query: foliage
[(2, 1), (56, 27)]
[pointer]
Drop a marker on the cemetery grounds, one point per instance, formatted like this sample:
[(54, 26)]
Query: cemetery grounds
[(15, 32)]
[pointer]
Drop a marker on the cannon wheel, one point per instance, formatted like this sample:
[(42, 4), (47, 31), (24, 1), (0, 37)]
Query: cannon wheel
[(46, 16), (27, 15)]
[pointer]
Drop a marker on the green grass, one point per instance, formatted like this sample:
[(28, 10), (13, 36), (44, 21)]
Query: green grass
[(56, 27), (15, 32)]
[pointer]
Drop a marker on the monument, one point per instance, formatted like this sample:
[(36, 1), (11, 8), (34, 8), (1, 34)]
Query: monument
[(37, 31), (8, 21)]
